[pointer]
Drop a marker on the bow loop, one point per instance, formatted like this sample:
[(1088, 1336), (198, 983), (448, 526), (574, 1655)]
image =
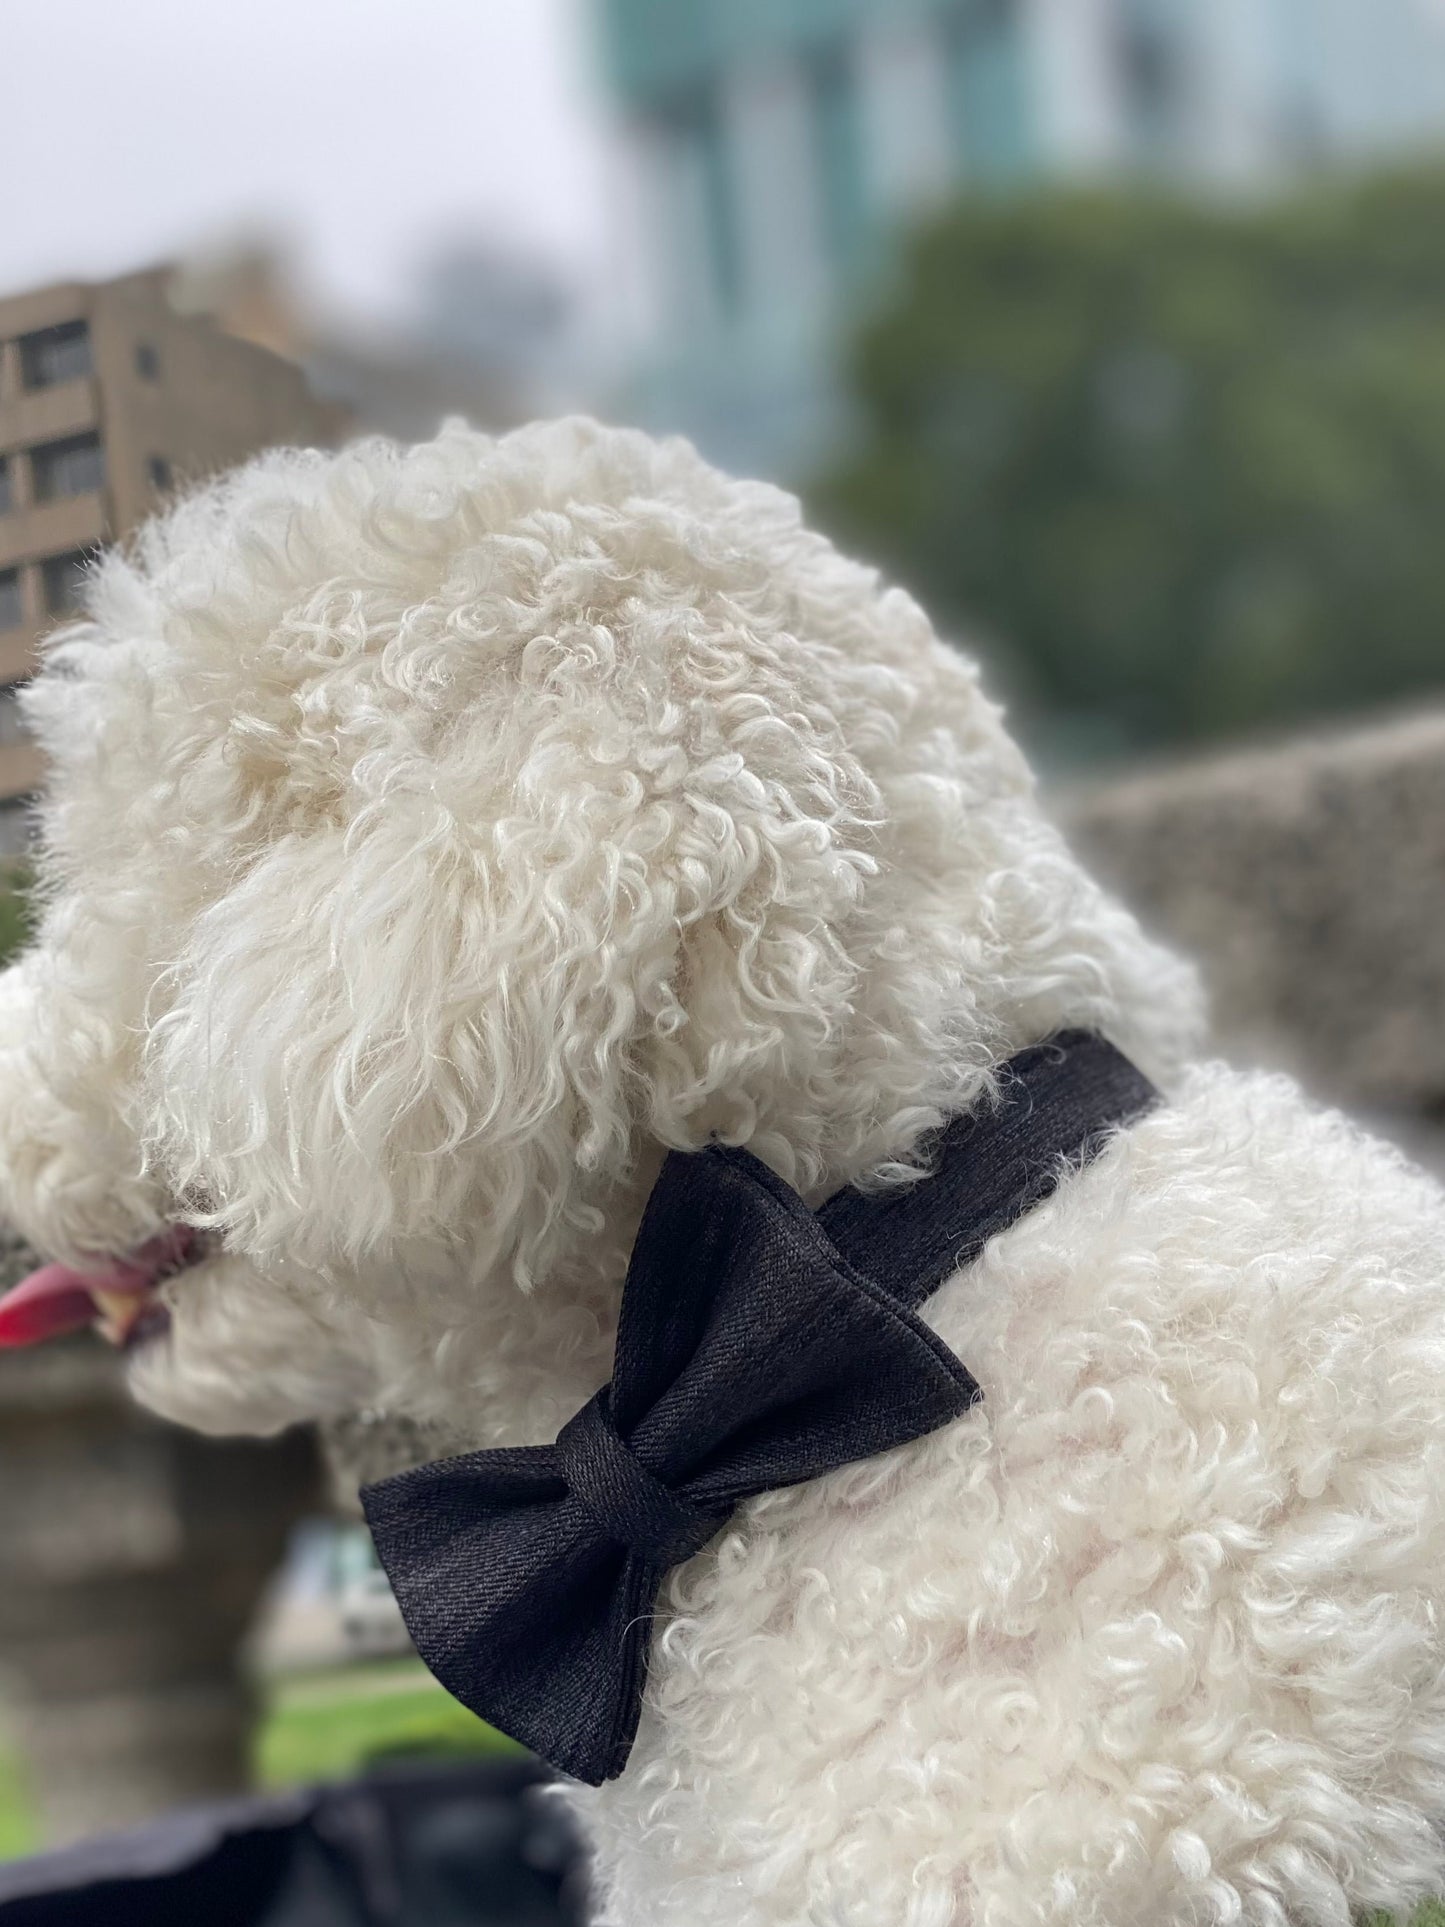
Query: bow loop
[(627, 1504)]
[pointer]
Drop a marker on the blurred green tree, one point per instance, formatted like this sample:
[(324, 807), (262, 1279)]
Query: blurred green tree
[(1183, 464)]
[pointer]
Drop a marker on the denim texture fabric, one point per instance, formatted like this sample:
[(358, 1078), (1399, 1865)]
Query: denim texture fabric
[(759, 1344)]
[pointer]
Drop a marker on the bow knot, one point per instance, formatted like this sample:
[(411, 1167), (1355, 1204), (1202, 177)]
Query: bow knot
[(626, 1503), (757, 1346)]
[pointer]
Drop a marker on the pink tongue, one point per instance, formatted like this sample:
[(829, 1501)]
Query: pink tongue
[(58, 1299), (50, 1301)]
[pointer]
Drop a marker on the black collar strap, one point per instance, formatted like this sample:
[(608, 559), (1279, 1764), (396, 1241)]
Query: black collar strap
[(759, 1344)]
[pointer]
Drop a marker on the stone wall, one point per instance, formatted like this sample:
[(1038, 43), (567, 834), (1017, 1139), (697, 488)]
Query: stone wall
[(134, 1556)]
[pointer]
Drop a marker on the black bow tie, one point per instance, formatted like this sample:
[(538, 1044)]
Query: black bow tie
[(759, 1344)]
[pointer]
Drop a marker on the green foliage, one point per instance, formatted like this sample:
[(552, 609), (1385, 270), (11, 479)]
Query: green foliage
[(14, 910), (1185, 462)]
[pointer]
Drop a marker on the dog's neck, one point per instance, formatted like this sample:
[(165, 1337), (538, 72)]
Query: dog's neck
[(528, 1360)]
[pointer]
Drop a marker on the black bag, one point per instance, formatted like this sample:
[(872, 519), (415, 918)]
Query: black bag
[(481, 1845)]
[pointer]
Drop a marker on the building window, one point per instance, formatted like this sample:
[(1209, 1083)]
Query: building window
[(147, 361), (12, 728), (704, 193), (72, 467), (7, 500), (838, 145), (63, 577), (988, 74), (12, 603), (159, 471), (1152, 74), (53, 355), (721, 201)]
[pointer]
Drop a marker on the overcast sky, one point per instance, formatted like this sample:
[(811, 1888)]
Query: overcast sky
[(362, 130)]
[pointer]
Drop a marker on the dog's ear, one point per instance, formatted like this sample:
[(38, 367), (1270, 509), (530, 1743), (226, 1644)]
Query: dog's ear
[(352, 1025), (439, 1025)]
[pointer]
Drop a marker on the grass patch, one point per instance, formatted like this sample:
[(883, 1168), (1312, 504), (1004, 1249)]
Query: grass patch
[(16, 927), (17, 1821), (320, 1726), (331, 1726)]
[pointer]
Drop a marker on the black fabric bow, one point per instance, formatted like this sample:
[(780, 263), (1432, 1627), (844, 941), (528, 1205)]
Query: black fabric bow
[(759, 1344)]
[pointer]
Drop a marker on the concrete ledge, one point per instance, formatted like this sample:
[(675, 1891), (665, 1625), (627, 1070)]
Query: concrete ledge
[(1308, 881)]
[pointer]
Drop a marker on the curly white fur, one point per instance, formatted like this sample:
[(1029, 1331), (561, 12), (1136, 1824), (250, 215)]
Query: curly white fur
[(435, 836)]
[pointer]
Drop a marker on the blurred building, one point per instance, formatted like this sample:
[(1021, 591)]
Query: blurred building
[(491, 334), (109, 400), (486, 304), (777, 148)]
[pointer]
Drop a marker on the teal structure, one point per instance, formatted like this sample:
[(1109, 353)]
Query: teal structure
[(780, 147), (743, 360)]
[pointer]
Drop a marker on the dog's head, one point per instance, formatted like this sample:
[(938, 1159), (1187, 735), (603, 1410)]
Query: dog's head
[(434, 836)]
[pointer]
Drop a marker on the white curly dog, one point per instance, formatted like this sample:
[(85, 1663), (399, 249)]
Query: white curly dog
[(436, 835)]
